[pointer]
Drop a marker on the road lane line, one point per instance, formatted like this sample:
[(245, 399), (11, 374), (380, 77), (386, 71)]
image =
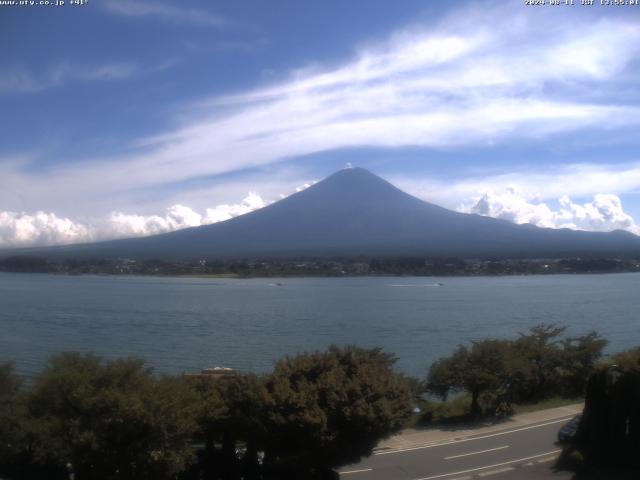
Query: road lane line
[(356, 471), (545, 460), (476, 453), (495, 472), (442, 475), (449, 442)]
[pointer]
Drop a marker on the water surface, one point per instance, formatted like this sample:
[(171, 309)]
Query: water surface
[(184, 324)]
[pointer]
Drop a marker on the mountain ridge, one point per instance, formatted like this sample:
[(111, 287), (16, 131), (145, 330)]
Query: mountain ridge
[(354, 212)]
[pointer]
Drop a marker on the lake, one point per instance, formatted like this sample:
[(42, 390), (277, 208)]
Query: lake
[(185, 324)]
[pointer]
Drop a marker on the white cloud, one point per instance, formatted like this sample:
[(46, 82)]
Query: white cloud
[(164, 12), (39, 229), (177, 217), (475, 78), (131, 225), (548, 183), (252, 202), (19, 80), (603, 214)]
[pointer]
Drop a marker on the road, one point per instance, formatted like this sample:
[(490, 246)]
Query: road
[(514, 453)]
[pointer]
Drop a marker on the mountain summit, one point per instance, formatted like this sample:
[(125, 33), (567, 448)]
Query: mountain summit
[(354, 212)]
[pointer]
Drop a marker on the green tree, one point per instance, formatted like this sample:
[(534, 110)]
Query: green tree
[(232, 411), (482, 368), (327, 409), (537, 365), (579, 358), (540, 367), (110, 420)]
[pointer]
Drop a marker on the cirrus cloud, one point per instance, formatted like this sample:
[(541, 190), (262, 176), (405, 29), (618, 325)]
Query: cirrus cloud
[(164, 12), (474, 78)]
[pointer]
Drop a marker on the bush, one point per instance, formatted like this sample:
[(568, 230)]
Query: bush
[(327, 409), (105, 420)]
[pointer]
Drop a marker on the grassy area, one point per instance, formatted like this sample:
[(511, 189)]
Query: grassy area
[(545, 404), (456, 410), (433, 413)]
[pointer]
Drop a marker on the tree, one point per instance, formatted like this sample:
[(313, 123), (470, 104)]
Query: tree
[(327, 409), (110, 420), (609, 431), (539, 375), (231, 411), (550, 365), (11, 413), (579, 358), (535, 366), (629, 359), (483, 368)]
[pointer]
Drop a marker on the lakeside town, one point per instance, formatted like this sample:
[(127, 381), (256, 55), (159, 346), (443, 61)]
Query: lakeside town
[(339, 267)]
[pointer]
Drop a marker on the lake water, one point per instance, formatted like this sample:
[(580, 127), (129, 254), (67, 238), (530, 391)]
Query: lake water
[(184, 324)]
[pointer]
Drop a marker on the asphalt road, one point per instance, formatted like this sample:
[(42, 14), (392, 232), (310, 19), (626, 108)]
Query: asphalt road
[(516, 453)]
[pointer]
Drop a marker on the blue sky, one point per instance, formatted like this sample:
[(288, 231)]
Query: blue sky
[(131, 118)]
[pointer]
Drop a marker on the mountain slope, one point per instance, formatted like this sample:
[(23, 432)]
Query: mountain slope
[(354, 212)]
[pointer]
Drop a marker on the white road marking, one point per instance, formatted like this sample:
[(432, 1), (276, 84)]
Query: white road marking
[(356, 471), (490, 466), (495, 472), (544, 460), (476, 453), (449, 442)]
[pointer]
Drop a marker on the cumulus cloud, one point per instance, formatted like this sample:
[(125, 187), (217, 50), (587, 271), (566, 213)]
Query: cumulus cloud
[(578, 180), (40, 229), (604, 213), (251, 202), (177, 217), (131, 225)]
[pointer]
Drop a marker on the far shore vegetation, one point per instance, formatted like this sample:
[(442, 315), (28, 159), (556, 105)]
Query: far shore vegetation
[(83, 417), (322, 267)]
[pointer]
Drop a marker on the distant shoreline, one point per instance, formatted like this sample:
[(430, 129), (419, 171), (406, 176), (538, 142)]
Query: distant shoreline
[(303, 276), (324, 267)]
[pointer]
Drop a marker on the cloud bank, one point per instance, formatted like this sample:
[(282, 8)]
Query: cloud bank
[(42, 229), (603, 214)]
